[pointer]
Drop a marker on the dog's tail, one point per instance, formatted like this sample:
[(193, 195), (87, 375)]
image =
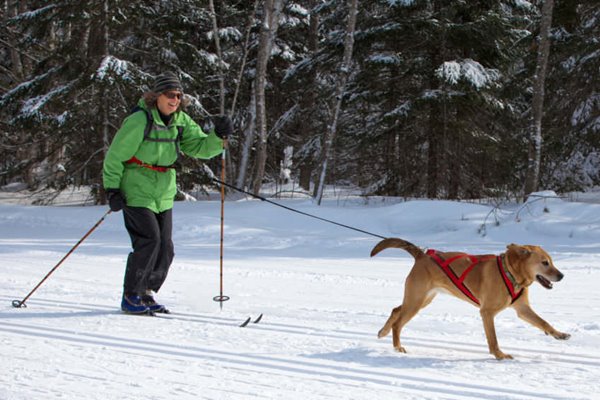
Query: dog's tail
[(413, 250)]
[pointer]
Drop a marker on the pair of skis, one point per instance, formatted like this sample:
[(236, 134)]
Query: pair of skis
[(166, 311), (249, 319)]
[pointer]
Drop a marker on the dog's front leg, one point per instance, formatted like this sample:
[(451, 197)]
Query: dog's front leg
[(526, 313), (490, 333)]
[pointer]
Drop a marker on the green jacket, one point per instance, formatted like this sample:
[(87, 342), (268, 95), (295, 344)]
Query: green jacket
[(144, 187)]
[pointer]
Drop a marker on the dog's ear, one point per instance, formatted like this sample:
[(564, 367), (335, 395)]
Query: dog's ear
[(521, 251)]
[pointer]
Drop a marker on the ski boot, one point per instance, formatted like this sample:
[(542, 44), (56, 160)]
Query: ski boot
[(133, 304), (153, 306)]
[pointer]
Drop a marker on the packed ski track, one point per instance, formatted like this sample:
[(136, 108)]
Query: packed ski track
[(322, 297)]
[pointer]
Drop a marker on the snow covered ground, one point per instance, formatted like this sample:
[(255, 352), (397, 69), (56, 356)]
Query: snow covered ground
[(323, 299)]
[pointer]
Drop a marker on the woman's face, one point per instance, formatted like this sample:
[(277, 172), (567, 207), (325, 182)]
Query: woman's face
[(168, 102)]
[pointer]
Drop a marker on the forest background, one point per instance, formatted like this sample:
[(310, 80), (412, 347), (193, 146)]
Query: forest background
[(411, 98)]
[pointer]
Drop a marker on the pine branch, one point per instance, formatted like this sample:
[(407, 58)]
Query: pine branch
[(19, 50)]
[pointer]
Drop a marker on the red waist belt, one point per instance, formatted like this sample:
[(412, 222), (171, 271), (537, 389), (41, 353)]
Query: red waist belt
[(134, 160), (459, 281)]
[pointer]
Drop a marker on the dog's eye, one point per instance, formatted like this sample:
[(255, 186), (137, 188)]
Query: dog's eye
[(545, 263)]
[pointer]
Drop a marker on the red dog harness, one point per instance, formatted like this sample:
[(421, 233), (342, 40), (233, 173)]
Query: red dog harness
[(458, 281)]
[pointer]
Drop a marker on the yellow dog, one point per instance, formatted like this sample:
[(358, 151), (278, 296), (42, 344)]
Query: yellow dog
[(490, 282)]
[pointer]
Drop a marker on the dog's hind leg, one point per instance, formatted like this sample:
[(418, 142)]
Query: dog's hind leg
[(401, 316), (418, 293), (408, 312), (396, 315), (387, 327)]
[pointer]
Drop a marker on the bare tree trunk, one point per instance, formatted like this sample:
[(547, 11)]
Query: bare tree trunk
[(326, 149), (98, 49), (248, 139), (22, 60), (455, 162), (215, 28), (244, 57), (272, 9), (15, 57), (433, 154), (309, 100), (28, 153), (532, 179), (437, 153)]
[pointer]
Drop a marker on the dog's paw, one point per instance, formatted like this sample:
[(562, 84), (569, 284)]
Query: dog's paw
[(502, 356), (561, 336), (400, 349), (382, 332)]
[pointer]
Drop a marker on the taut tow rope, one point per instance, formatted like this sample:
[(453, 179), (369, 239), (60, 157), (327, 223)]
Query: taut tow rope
[(296, 211)]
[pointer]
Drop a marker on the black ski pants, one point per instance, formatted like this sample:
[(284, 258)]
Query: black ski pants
[(149, 262)]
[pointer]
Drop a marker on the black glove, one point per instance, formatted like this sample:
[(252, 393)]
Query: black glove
[(223, 126), (116, 200)]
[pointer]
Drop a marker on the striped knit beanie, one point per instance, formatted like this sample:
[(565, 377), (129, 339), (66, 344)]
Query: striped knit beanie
[(166, 81)]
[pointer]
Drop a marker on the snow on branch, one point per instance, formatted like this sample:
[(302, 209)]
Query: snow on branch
[(469, 71), (297, 9), (32, 107), (29, 15), (25, 87), (284, 51), (400, 111), (112, 66), (403, 3), (586, 109), (524, 4), (210, 59), (228, 33), (384, 59)]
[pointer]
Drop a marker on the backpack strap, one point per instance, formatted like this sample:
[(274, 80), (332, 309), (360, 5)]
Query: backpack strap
[(150, 124), (148, 129), (149, 121), (177, 141)]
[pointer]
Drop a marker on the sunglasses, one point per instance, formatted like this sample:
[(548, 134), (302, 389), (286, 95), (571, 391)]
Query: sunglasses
[(173, 95)]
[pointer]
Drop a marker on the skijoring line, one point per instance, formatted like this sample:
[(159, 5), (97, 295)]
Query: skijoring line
[(296, 211)]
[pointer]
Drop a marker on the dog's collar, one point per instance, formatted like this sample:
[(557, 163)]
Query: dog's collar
[(510, 276), (509, 280)]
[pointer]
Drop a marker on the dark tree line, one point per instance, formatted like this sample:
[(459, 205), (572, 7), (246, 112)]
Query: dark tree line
[(432, 98)]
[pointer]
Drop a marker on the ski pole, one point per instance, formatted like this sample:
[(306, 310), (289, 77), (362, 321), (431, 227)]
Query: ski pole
[(21, 303), (221, 298)]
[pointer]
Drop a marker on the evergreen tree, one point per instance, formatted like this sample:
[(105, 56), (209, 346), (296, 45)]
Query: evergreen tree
[(103, 59), (433, 75), (437, 102), (572, 115)]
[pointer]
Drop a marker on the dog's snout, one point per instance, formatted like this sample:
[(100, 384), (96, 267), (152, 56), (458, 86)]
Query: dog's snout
[(559, 276)]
